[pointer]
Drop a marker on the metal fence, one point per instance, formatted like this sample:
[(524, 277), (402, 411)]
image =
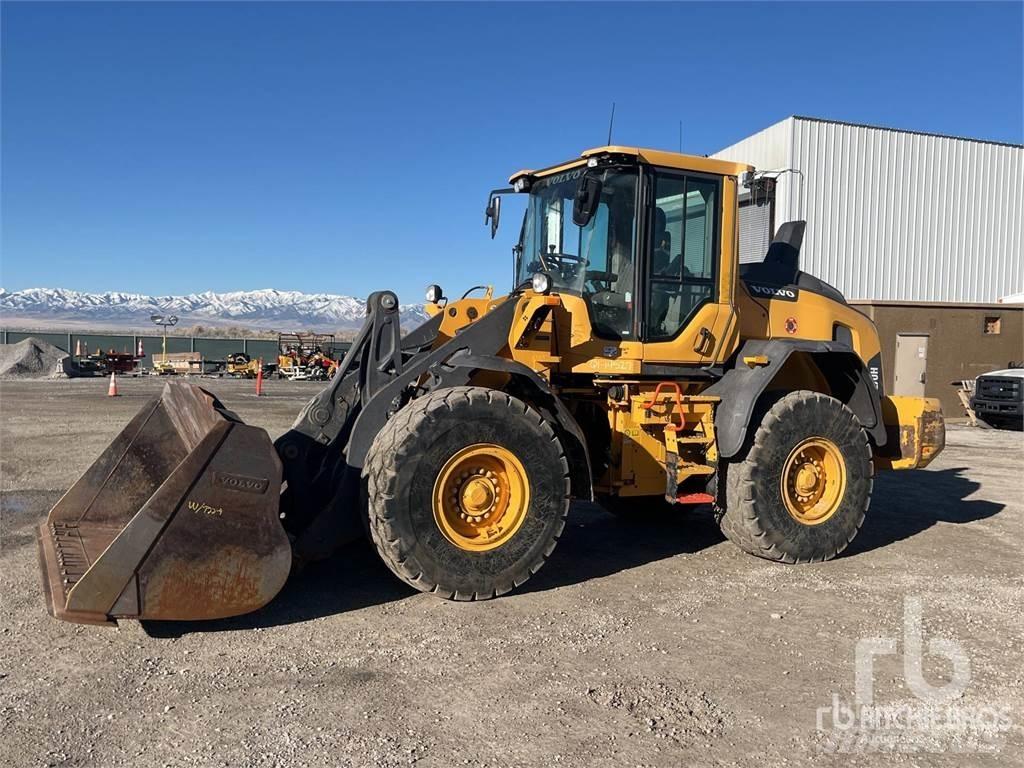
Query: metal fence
[(209, 349)]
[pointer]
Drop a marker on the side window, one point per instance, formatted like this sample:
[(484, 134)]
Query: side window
[(683, 251)]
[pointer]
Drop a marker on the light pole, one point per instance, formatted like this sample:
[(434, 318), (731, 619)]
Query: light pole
[(165, 322)]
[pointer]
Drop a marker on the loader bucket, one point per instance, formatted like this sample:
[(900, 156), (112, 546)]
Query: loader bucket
[(177, 519)]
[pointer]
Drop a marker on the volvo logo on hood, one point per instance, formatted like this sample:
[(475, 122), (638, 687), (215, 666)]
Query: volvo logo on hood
[(785, 293)]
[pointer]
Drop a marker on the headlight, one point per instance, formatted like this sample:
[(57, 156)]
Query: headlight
[(434, 293), (541, 283)]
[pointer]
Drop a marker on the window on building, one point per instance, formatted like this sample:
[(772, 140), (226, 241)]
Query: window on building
[(992, 325)]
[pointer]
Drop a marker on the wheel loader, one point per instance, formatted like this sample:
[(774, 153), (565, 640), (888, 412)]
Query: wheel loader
[(242, 365), (634, 362)]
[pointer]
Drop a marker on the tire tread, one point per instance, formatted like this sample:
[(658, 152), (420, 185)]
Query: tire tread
[(393, 444)]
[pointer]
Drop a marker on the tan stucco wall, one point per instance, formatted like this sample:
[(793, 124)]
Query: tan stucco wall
[(958, 347)]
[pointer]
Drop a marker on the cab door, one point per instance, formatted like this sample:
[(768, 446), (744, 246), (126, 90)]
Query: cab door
[(688, 314)]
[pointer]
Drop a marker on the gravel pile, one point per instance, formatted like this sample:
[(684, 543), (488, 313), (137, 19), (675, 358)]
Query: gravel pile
[(29, 358)]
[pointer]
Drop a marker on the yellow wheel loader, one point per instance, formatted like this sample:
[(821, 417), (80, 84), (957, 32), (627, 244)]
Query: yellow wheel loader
[(243, 366), (634, 362)]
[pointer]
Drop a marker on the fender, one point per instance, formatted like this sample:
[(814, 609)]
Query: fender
[(487, 335), (742, 385), (452, 364)]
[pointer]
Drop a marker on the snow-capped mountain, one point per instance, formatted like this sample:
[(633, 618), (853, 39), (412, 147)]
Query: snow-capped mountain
[(266, 308)]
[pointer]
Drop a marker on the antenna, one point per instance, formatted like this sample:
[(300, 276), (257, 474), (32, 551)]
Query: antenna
[(680, 137), (611, 122)]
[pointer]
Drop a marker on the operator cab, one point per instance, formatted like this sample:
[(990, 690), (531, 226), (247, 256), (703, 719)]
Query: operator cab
[(633, 232)]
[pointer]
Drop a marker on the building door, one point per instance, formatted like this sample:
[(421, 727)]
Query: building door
[(911, 364)]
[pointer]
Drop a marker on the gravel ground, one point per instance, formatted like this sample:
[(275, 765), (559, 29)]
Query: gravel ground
[(638, 644)]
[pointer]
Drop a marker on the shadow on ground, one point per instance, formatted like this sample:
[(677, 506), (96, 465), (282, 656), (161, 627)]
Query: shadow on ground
[(595, 544), (351, 579), (905, 503)]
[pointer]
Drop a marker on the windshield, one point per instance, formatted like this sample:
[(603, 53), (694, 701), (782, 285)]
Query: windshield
[(595, 261)]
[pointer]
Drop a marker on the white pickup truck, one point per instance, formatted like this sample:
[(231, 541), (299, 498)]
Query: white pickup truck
[(998, 398)]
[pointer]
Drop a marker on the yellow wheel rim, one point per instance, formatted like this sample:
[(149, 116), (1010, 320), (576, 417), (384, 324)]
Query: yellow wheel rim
[(814, 481), (481, 497)]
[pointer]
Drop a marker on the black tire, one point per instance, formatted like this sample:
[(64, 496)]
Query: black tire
[(751, 511), (404, 462), (1015, 425)]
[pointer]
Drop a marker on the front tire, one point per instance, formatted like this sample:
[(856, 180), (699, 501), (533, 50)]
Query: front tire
[(468, 492), (800, 490)]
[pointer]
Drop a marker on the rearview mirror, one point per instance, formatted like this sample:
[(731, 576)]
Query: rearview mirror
[(584, 204), (493, 214)]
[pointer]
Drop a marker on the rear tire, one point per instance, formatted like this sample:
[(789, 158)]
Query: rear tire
[(418, 492), (800, 489)]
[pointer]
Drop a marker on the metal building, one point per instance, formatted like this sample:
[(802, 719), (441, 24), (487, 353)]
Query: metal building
[(891, 215), (923, 233)]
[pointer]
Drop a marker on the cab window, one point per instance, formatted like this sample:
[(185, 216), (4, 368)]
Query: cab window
[(595, 261), (683, 251)]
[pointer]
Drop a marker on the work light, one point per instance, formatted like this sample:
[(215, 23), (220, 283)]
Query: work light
[(541, 282)]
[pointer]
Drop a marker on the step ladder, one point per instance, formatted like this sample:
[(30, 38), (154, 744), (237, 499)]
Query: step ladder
[(676, 435)]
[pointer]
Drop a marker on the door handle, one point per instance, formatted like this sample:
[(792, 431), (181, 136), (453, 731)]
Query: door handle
[(704, 338)]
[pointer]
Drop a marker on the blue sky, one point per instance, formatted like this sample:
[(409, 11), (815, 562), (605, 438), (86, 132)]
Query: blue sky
[(175, 148)]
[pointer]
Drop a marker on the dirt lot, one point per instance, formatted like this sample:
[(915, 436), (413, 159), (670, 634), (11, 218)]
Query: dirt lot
[(638, 644)]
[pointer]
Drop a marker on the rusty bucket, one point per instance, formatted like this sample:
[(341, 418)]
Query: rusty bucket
[(177, 519)]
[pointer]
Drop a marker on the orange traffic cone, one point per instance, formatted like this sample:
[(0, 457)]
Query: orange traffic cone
[(78, 347), (112, 389), (259, 379)]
